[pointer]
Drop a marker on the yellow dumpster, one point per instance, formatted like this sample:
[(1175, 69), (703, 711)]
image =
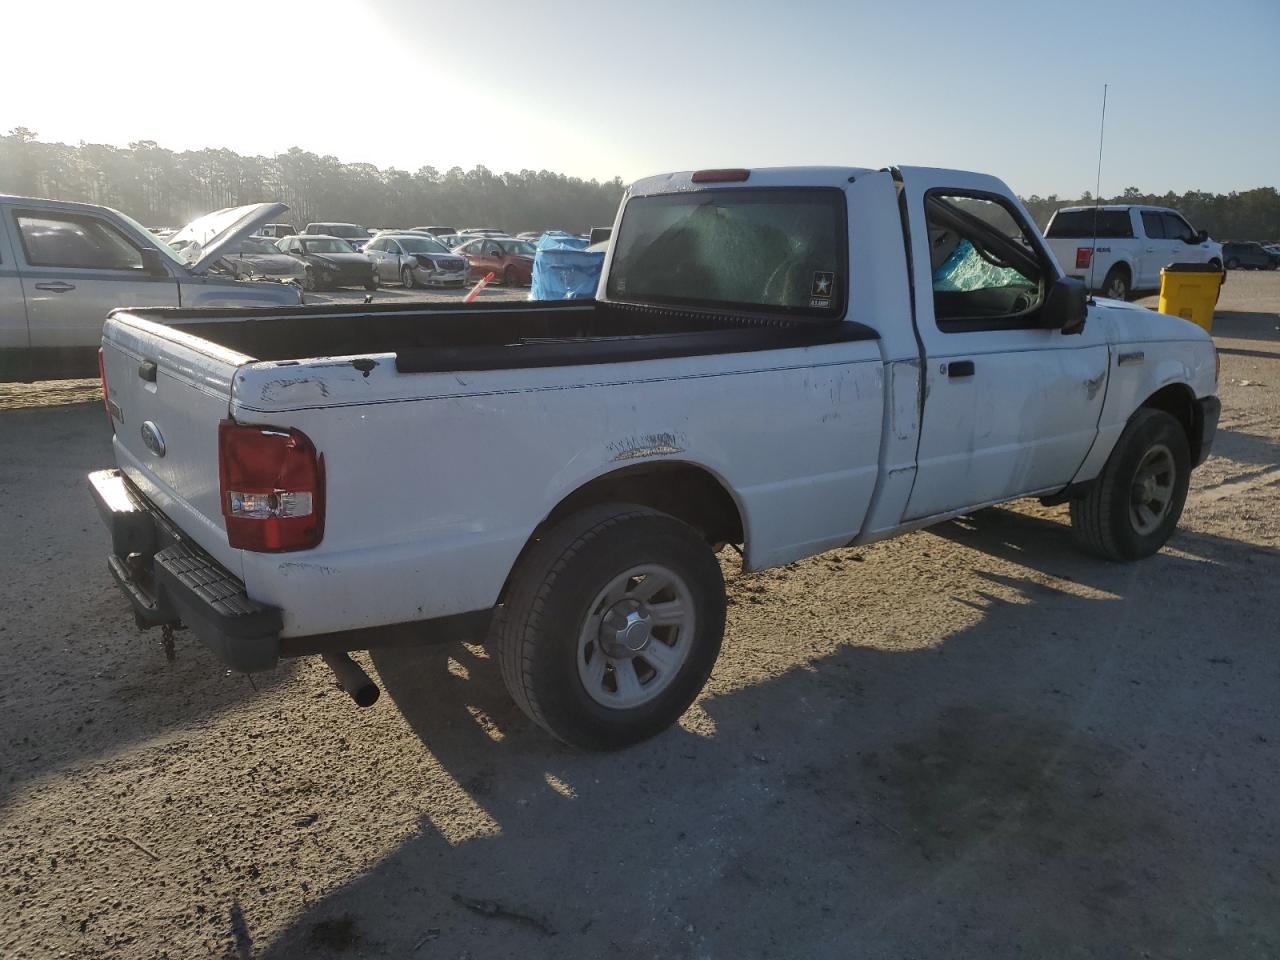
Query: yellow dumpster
[(1190, 291)]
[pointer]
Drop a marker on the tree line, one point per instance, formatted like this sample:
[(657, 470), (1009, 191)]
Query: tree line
[(162, 187)]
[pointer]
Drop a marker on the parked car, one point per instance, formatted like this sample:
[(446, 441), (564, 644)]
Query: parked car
[(1133, 244), (415, 260), (482, 232), (451, 240), (557, 477), (353, 233), (435, 231), (259, 256), (64, 266), (508, 259), (1247, 255), (331, 262), (276, 230)]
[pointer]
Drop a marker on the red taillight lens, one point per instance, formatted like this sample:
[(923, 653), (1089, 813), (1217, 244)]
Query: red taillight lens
[(720, 176), (1083, 256), (272, 486)]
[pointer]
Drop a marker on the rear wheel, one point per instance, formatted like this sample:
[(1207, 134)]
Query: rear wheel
[(611, 625), (1116, 283), (1134, 506), (406, 278)]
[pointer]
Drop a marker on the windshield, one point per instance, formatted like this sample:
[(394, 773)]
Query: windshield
[(421, 245), (780, 249), (347, 230), (1078, 225), (520, 248), (257, 246), (326, 245)]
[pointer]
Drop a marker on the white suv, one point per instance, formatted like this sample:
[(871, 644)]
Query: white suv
[(1129, 248)]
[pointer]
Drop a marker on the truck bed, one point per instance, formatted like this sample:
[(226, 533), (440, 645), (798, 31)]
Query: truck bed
[(447, 337)]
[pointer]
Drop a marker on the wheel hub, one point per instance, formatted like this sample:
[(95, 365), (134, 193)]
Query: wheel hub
[(626, 628)]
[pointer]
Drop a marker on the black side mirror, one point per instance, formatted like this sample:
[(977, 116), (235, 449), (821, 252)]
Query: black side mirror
[(1202, 236), (153, 263), (1065, 306)]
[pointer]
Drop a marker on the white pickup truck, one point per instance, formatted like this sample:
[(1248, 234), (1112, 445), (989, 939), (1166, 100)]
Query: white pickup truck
[(791, 360), (1119, 250)]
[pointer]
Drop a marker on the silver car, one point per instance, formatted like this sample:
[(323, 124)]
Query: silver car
[(255, 257), (415, 260)]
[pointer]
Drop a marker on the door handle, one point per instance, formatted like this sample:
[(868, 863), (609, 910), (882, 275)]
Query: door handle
[(960, 368), (56, 286)]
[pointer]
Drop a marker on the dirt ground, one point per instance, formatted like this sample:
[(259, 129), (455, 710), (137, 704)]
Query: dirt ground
[(969, 742)]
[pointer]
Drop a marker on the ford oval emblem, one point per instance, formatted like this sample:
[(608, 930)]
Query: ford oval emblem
[(152, 438)]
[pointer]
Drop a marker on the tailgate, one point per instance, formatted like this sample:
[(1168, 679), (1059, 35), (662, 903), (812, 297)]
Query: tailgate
[(167, 392)]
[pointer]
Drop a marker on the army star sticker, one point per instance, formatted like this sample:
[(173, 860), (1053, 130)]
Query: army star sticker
[(822, 282)]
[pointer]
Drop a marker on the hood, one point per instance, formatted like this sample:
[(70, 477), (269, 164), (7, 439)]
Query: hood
[(269, 262), (215, 235)]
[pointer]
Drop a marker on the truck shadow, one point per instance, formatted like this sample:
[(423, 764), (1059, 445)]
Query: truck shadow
[(1245, 325), (1039, 776)]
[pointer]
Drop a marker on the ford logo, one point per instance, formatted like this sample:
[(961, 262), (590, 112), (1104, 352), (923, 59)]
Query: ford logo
[(152, 438)]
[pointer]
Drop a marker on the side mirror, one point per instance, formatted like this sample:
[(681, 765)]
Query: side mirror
[(1202, 236), (153, 263), (1065, 306)]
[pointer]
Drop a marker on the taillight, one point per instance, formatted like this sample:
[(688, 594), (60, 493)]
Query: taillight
[(720, 176), (1083, 256), (272, 486), (106, 397)]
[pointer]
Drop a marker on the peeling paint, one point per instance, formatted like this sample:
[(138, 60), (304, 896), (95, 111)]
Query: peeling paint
[(648, 445), (298, 566), (273, 388), (1094, 385)]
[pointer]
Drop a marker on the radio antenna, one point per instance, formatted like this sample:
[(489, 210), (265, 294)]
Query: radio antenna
[(1097, 192)]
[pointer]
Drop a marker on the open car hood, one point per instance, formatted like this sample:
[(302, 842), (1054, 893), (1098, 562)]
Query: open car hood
[(203, 241)]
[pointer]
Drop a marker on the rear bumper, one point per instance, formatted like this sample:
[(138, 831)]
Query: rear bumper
[(167, 579), (1210, 410)]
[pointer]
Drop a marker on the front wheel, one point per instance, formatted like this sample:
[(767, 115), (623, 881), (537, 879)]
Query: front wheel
[(611, 625), (1134, 505), (1233, 264), (406, 278), (373, 282)]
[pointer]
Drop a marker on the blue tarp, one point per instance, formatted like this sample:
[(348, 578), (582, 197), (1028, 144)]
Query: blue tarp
[(563, 269)]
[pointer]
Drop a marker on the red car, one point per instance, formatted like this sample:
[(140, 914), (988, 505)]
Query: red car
[(508, 259)]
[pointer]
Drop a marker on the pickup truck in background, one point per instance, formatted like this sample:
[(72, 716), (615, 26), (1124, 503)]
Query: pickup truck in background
[(790, 360), (1133, 243), (64, 266)]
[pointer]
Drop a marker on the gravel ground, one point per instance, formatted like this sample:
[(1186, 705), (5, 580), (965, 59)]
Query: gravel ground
[(969, 742)]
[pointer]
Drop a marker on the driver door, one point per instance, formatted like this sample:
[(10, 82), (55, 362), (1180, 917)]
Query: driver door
[(1010, 408)]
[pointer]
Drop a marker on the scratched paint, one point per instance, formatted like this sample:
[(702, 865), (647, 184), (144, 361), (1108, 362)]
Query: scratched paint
[(648, 445), (274, 390)]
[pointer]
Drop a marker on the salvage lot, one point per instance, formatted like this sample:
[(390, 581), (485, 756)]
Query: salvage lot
[(972, 741)]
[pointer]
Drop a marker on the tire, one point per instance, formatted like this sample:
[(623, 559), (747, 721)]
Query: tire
[(550, 634), (372, 282), (509, 277), (406, 278), (1233, 264), (1108, 521), (309, 281), (1116, 283)]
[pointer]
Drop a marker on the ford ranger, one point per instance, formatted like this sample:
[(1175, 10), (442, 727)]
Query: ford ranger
[(782, 360)]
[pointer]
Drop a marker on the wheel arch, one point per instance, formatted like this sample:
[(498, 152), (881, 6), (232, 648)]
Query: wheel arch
[(686, 490), (1179, 401)]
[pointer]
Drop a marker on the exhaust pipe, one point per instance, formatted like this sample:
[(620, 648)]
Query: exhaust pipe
[(352, 679)]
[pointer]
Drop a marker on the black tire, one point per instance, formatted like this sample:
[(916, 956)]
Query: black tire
[(1103, 522), (1233, 264), (406, 278), (372, 282), (535, 634), (1116, 284)]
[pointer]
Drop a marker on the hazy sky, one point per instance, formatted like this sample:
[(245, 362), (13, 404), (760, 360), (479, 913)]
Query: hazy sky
[(596, 88)]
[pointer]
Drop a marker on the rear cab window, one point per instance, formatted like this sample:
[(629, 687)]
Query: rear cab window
[(759, 249), (1153, 225), (1079, 225)]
